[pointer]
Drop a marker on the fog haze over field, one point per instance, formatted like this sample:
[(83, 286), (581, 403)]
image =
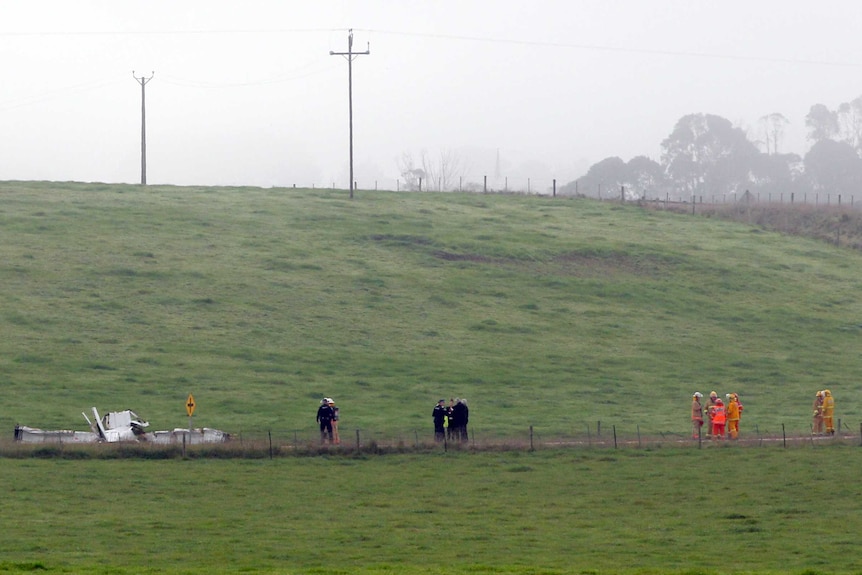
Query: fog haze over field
[(248, 93)]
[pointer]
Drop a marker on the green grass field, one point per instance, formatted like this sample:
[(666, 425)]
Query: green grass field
[(715, 510), (551, 312)]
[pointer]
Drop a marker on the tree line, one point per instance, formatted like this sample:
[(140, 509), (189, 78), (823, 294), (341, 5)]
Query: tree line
[(706, 154)]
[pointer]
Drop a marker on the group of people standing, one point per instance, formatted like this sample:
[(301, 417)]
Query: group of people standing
[(824, 411), (450, 421), (722, 418)]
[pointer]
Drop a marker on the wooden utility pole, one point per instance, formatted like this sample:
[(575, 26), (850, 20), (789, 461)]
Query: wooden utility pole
[(143, 82), (350, 55)]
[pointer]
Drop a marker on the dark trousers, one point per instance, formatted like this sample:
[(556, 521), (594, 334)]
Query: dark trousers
[(325, 430)]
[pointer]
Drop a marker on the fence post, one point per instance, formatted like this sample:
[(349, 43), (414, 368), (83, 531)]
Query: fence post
[(783, 435), (615, 436), (531, 438), (269, 432), (357, 439), (485, 185), (639, 435)]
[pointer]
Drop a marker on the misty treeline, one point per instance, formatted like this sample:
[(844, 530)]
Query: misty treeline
[(705, 157)]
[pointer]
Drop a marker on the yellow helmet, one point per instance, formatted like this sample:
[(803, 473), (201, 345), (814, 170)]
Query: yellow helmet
[(827, 392), (713, 394)]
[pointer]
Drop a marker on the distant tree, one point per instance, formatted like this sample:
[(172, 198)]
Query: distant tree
[(410, 173), (779, 173), (850, 124), (707, 154), (603, 178), (772, 126), (645, 176), (441, 174), (833, 167), (610, 176), (822, 123), (444, 171)]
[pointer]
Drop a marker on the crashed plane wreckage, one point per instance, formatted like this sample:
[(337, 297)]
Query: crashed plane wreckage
[(120, 426)]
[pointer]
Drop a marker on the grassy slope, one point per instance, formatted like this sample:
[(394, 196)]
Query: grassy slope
[(552, 312)]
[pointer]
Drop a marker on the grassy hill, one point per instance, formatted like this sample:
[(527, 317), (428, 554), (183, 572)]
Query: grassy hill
[(552, 312)]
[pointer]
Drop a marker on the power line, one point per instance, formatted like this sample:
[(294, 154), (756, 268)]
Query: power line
[(8, 33), (598, 47), (457, 37)]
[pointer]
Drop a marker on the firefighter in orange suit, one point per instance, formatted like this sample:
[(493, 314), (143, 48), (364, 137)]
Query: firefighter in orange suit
[(828, 412), (696, 415), (732, 416), (719, 418), (708, 408)]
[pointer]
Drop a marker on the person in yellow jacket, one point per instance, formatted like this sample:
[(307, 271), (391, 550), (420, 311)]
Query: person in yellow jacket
[(828, 412), (817, 417), (696, 415), (732, 413)]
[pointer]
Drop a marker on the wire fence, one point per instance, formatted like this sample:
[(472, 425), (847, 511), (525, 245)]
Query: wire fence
[(270, 443), (479, 184)]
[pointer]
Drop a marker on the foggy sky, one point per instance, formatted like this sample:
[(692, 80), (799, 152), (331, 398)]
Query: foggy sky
[(248, 93)]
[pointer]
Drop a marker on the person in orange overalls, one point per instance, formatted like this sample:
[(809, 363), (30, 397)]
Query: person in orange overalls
[(828, 412), (817, 417), (696, 415), (732, 416), (719, 418), (708, 408)]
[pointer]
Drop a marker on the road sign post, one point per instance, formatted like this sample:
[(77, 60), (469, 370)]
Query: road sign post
[(190, 409)]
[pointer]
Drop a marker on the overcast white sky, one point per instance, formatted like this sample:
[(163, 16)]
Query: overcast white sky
[(246, 93)]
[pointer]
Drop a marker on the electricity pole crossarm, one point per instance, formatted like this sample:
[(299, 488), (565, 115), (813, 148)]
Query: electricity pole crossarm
[(143, 80), (350, 55)]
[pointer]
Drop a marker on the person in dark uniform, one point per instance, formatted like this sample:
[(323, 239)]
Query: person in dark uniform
[(440, 413), (460, 417), (325, 415)]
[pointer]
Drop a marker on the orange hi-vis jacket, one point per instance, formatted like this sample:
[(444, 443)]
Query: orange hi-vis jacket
[(718, 414)]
